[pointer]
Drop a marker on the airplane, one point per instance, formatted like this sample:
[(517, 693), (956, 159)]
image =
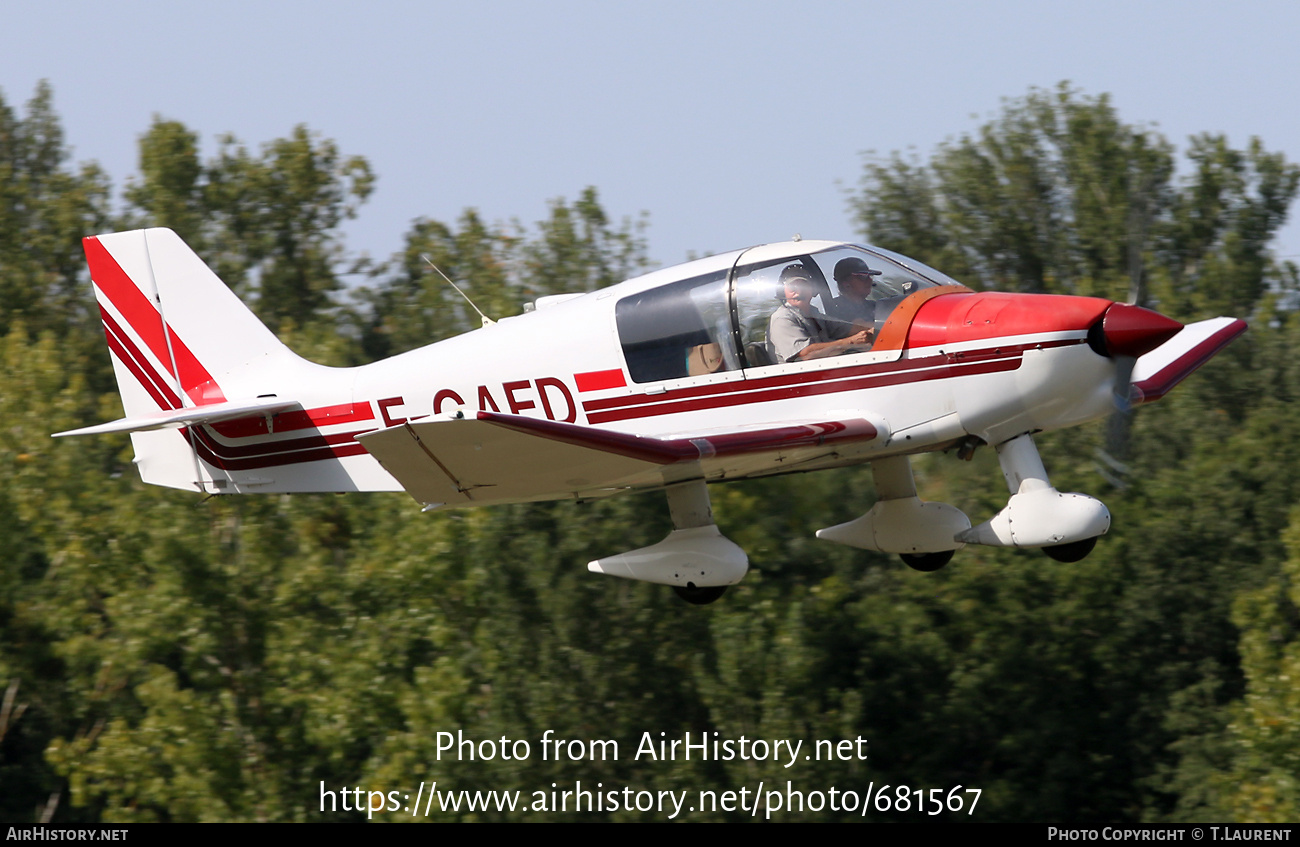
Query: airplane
[(672, 380)]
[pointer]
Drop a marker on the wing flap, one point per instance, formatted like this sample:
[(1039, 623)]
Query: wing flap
[(497, 458), (475, 462)]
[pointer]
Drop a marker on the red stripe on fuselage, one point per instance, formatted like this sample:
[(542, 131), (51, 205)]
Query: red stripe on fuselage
[(267, 448), (289, 421), (812, 383), (600, 380), (204, 446), (246, 457)]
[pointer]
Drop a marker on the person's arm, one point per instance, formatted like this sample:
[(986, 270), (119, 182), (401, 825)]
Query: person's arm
[(822, 349)]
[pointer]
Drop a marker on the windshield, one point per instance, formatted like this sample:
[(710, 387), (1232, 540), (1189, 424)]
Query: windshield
[(922, 268), (849, 289)]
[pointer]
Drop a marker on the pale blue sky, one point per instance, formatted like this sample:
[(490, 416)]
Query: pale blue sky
[(730, 123)]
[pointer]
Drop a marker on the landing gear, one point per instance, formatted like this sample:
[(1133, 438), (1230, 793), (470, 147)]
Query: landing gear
[(927, 562), (697, 596), (696, 559), (924, 534), (1037, 515), (1075, 551)]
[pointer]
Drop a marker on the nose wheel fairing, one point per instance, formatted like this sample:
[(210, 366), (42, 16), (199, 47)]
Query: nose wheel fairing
[(1037, 515), (695, 558)]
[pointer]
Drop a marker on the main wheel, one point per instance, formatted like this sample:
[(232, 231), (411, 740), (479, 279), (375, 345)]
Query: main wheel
[(697, 596), (927, 562), (1075, 551)]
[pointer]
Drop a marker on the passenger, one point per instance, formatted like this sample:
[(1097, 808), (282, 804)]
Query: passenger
[(854, 307), (798, 332)]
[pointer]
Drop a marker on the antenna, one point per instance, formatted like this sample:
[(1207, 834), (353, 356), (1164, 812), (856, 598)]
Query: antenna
[(486, 320)]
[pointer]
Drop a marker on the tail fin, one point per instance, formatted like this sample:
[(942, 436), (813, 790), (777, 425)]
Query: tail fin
[(176, 330), (189, 354)]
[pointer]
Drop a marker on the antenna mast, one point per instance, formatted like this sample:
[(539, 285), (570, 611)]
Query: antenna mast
[(486, 320)]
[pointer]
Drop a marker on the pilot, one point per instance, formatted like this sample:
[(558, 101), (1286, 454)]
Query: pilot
[(798, 332), (854, 307)]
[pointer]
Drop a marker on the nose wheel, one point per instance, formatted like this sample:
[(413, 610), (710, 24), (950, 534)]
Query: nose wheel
[(698, 596), (927, 562), (1075, 551)]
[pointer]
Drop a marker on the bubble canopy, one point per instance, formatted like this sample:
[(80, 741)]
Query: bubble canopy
[(723, 319)]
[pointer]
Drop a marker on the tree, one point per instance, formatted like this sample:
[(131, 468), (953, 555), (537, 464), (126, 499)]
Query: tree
[(256, 648), (1262, 782), (267, 224), (225, 660), (499, 267), (45, 209), (1057, 194)]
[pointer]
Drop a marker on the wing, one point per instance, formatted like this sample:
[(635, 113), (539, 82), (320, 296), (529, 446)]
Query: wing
[(497, 458)]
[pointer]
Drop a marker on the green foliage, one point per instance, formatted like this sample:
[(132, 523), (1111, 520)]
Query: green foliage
[(170, 191), (499, 268), (1057, 194), (415, 306), (1263, 782), (45, 210), (267, 224), (1239, 762)]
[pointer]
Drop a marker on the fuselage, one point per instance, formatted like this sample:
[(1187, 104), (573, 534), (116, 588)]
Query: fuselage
[(682, 351), (776, 359)]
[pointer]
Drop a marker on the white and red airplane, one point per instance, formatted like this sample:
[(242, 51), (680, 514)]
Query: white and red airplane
[(670, 381)]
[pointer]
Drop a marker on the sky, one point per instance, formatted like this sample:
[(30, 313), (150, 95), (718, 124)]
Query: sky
[(726, 123)]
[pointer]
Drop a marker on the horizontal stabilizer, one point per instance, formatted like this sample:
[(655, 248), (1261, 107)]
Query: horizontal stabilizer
[(173, 418), (1157, 372), (498, 458)]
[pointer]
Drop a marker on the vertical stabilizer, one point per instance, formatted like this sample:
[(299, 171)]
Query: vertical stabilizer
[(181, 340), (187, 334)]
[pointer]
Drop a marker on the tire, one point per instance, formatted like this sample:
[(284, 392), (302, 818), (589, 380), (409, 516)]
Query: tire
[(699, 596), (927, 562), (1075, 551)]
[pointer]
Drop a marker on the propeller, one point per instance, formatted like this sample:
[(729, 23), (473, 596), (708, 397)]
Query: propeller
[(1113, 456), (1124, 333)]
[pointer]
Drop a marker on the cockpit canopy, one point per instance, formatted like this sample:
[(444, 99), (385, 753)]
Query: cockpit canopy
[(718, 321)]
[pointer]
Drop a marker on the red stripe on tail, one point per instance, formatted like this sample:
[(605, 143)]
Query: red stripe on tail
[(145, 319)]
